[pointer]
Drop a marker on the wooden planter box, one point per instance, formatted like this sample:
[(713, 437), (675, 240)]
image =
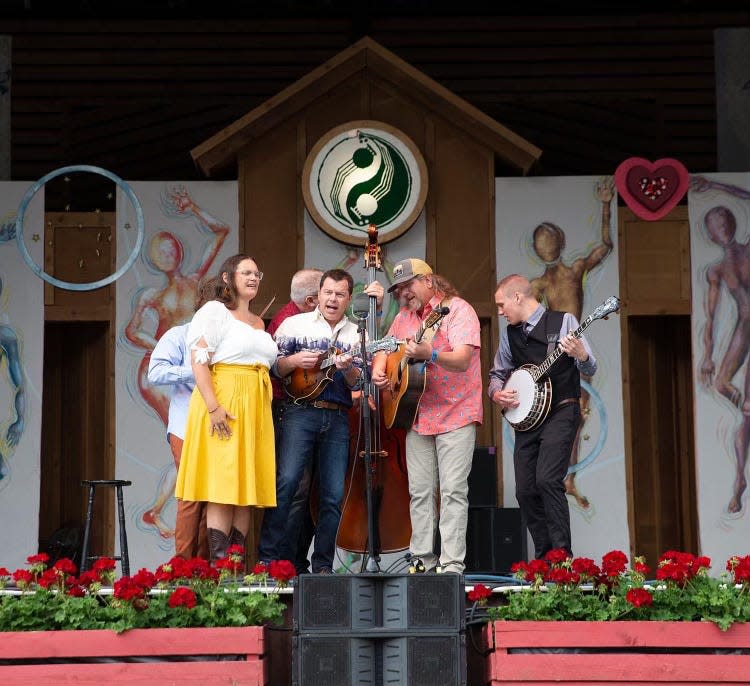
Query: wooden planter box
[(58, 657), (617, 652)]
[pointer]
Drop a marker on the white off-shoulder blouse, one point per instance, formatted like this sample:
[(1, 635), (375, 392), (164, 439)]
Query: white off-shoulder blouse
[(229, 340)]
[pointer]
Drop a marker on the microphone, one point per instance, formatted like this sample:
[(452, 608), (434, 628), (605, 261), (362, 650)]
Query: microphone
[(361, 305)]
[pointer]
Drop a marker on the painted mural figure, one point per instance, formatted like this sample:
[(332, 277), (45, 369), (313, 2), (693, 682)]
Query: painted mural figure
[(172, 303), (733, 272), (9, 351), (561, 286)]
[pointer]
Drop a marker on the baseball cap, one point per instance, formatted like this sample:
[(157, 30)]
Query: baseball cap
[(406, 270)]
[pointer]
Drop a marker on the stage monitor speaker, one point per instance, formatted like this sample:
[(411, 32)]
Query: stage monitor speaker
[(435, 660), (395, 603), (483, 478), (495, 539)]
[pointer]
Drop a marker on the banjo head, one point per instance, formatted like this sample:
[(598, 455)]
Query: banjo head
[(521, 381)]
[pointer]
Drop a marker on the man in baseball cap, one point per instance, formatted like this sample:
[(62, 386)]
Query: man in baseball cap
[(441, 434), (406, 270)]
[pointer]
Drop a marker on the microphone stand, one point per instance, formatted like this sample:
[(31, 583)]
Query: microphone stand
[(373, 558)]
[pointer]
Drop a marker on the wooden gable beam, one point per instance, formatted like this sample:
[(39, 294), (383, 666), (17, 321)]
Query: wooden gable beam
[(511, 147), (221, 149)]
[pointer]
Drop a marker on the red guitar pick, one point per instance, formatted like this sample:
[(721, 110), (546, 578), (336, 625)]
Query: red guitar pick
[(651, 189)]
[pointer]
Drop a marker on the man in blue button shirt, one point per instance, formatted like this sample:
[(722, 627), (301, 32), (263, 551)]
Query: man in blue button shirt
[(170, 365)]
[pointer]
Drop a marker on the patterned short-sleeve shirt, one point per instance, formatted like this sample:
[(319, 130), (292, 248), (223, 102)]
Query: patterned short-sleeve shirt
[(451, 399)]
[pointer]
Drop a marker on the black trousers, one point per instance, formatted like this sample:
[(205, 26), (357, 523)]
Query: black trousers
[(540, 460)]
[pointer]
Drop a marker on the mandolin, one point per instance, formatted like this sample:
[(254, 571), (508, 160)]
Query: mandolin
[(304, 385), (407, 379)]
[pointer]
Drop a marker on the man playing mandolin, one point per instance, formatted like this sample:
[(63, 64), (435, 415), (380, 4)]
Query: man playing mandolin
[(317, 425), (442, 423), (541, 454)]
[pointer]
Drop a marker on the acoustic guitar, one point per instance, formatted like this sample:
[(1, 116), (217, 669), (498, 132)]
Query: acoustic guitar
[(535, 387), (407, 379), (305, 385)]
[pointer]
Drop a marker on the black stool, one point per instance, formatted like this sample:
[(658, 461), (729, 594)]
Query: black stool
[(123, 556)]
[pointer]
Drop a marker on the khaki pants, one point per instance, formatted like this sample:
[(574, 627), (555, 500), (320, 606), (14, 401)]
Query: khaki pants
[(439, 467), (190, 525)]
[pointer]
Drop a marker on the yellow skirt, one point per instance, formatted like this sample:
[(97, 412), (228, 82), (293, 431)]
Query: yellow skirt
[(240, 470)]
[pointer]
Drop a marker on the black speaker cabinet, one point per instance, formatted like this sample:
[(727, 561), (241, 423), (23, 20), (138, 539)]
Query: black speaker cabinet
[(483, 478), (495, 539), (435, 660), (391, 603)]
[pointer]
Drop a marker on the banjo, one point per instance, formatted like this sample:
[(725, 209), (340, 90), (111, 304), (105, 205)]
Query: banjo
[(534, 388)]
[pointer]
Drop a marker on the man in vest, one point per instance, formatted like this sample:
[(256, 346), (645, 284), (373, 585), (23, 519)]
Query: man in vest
[(541, 455)]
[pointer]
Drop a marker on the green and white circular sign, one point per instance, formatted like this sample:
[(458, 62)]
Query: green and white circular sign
[(362, 173)]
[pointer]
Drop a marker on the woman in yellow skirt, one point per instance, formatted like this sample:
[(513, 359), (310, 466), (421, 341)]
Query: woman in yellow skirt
[(228, 458)]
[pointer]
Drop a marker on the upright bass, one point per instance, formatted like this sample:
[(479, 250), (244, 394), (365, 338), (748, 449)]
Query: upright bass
[(375, 512)]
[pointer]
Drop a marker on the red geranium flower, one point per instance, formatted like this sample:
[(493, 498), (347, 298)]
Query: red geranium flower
[(199, 568), (89, 577), (282, 570), (479, 594), (4, 572), (164, 573), (235, 549), (740, 568), (182, 597), (560, 575), (104, 564), (639, 597), (145, 579), (181, 568), (65, 566), (557, 556), (585, 567), (260, 568), (38, 559), (614, 563), (22, 577), (48, 578), (127, 589), (228, 563)]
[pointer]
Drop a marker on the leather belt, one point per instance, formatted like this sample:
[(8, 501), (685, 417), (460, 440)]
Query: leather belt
[(567, 401), (325, 405)]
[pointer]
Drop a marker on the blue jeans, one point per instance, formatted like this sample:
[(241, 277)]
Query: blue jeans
[(306, 430)]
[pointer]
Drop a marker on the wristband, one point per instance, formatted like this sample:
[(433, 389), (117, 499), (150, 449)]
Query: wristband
[(434, 356)]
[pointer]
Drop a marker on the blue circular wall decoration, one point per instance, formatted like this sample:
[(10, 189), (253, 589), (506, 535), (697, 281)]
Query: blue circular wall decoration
[(68, 285)]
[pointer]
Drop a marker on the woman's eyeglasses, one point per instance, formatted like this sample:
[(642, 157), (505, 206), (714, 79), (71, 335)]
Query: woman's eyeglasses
[(248, 272)]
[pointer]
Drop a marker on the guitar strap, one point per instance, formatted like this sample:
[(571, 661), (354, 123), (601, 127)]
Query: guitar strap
[(429, 333), (332, 344)]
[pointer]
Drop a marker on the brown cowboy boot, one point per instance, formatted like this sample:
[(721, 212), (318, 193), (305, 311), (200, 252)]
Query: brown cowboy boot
[(218, 542)]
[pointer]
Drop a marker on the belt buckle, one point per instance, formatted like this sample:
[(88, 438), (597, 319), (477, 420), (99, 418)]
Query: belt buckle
[(316, 404)]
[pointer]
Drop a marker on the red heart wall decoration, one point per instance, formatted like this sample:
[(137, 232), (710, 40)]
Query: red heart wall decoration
[(651, 189)]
